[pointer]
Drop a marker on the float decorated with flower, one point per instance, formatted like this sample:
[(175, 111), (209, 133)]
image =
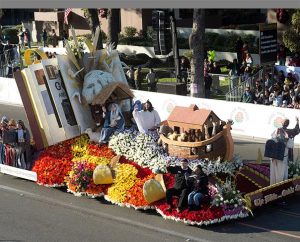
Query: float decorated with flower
[(64, 98)]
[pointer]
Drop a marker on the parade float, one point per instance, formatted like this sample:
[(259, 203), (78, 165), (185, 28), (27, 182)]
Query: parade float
[(62, 99)]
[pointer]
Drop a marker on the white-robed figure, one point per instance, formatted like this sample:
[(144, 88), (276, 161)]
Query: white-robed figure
[(147, 119), (113, 121), (279, 168)]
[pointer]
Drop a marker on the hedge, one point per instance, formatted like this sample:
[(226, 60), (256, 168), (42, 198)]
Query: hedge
[(11, 34)]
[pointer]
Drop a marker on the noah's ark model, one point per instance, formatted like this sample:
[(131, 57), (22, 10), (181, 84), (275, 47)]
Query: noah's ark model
[(193, 133)]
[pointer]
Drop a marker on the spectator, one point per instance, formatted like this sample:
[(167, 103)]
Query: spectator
[(249, 60), (239, 50), (44, 37), (268, 81), (151, 80), (215, 68), (184, 67), (64, 36), (267, 100), (258, 93), (247, 96), (27, 38), (2, 48), (130, 76), (233, 73), (277, 98), (246, 75), (281, 55), (54, 38), (245, 50), (295, 61), (21, 39), (138, 78), (207, 85)]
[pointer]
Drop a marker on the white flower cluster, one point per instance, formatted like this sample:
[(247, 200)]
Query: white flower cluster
[(144, 150), (141, 148), (218, 167), (294, 169), (227, 196)]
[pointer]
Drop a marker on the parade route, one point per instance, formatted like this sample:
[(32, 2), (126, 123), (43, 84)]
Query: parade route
[(30, 212)]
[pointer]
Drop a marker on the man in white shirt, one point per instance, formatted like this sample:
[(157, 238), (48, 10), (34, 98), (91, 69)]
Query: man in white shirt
[(147, 119), (151, 79)]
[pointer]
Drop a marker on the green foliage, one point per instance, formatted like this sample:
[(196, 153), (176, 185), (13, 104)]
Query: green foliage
[(291, 37), (11, 34), (130, 32)]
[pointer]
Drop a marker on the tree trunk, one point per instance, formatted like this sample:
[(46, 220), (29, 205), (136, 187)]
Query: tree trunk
[(196, 41), (113, 26), (93, 21)]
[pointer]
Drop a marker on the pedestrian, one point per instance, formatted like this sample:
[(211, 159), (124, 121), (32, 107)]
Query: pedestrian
[(27, 38), (44, 37), (234, 73), (180, 187), (281, 55), (138, 78), (54, 38), (151, 80), (21, 39), (239, 50), (130, 76)]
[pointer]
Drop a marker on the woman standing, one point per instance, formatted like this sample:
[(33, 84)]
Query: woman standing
[(114, 121)]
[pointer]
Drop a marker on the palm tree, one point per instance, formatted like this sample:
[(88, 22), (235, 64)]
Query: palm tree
[(113, 26), (196, 42), (92, 18)]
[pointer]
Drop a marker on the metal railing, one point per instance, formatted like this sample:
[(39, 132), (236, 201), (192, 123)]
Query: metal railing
[(236, 91)]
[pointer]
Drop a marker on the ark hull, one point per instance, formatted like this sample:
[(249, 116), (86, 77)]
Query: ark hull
[(220, 145)]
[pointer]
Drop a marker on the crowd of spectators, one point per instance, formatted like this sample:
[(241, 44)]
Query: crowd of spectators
[(277, 90)]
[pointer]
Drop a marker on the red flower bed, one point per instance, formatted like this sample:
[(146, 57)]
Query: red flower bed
[(102, 151), (52, 171)]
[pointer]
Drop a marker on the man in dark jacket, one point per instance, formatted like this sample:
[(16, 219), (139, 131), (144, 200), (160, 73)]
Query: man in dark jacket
[(180, 187)]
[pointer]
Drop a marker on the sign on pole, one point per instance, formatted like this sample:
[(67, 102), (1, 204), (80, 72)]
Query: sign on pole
[(268, 43)]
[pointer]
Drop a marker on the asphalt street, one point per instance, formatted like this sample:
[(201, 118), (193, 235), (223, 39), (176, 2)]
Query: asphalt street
[(30, 212)]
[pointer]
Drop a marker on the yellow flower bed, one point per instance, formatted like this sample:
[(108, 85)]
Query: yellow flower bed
[(125, 179), (80, 146), (92, 159)]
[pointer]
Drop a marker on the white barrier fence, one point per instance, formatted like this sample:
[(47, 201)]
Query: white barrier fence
[(9, 92), (257, 121)]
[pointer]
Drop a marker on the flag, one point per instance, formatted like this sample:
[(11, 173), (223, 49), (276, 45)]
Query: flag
[(67, 12)]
